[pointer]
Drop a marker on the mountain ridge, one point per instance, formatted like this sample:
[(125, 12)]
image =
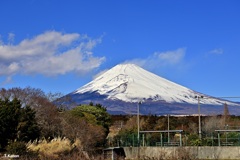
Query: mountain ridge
[(124, 85)]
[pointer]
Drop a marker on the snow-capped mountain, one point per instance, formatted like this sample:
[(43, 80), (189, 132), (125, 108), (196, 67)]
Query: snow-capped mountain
[(125, 85)]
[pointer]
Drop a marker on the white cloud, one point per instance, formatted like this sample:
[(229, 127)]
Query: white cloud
[(217, 51), (161, 59), (50, 53), (171, 57)]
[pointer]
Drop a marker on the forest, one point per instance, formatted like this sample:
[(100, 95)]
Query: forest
[(32, 126)]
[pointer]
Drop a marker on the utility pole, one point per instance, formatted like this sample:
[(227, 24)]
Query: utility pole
[(199, 117), (138, 134), (199, 120)]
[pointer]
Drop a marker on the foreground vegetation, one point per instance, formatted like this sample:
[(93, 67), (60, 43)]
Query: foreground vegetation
[(33, 127)]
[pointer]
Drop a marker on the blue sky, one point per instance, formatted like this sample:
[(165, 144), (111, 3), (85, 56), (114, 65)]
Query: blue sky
[(60, 45)]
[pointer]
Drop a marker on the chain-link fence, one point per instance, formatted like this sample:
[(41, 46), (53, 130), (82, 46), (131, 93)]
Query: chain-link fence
[(176, 139)]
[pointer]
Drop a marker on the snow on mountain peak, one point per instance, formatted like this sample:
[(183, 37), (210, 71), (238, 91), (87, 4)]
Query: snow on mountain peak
[(131, 83)]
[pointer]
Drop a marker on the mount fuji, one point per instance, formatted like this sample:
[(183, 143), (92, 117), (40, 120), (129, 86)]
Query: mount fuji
[(126, 86)]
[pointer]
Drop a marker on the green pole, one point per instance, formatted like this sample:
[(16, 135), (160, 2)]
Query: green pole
[(212, 139), (161, 140), (219, 144), (180, 139), (143, 140)]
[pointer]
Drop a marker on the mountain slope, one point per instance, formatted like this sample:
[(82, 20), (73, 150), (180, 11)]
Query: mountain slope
[(125, 85)]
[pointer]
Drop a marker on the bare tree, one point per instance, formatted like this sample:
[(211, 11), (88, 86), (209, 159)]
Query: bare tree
[(226, 114), (46, 112), (131, 124), (193, 127), (212, 123), (90, 135)]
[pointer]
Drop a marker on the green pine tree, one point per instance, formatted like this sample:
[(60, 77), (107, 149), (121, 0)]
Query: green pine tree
[(9, 117), (17, 123), (27, 127)]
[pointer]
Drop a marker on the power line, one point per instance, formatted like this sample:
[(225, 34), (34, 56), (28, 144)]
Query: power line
[(229, 97)]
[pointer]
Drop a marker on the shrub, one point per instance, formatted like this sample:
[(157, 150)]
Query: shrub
[(18, 148)]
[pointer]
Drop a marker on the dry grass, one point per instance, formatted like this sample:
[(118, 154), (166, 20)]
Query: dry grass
[(54, 148)]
